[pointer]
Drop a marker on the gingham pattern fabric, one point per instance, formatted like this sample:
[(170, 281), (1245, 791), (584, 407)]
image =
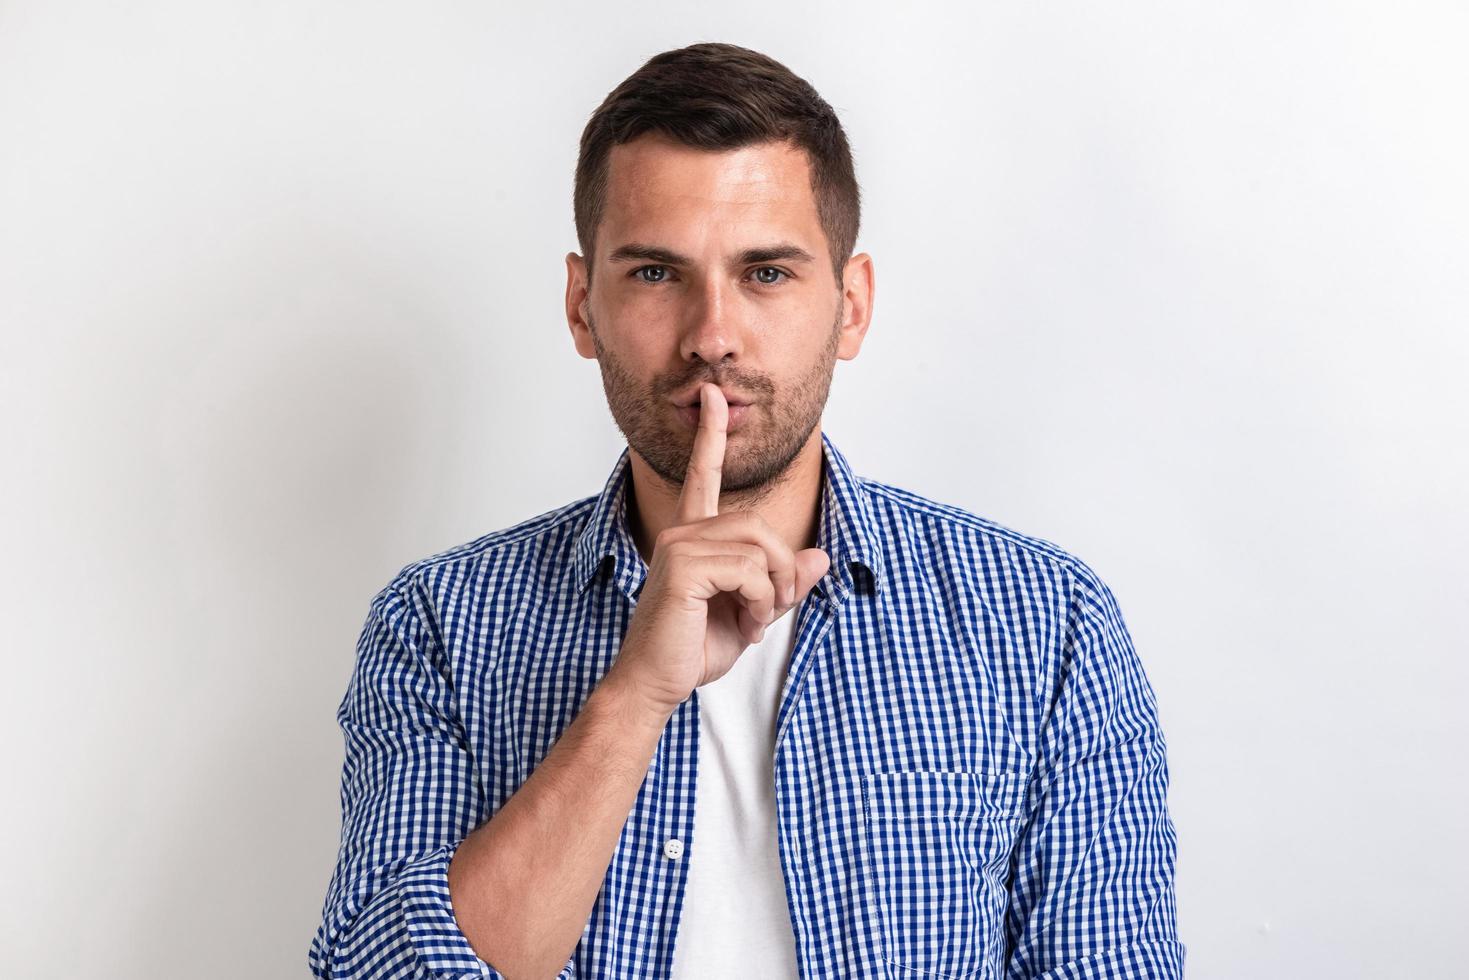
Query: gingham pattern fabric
[(970, 774)]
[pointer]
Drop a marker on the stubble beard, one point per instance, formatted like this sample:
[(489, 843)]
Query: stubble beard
[(758, 455)]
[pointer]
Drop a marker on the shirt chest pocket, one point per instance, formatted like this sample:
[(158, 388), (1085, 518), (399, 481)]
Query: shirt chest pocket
[(938, 852)]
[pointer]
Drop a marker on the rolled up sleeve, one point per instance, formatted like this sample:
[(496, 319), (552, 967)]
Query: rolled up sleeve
[(409, 796), (1092, 874)]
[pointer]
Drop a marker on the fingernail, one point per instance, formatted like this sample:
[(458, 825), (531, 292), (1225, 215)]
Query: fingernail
[(790, 594)]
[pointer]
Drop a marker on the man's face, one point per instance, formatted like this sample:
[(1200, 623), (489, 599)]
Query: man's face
[(713, 266)]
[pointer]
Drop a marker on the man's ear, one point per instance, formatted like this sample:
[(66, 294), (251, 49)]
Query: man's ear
[(577, 298), (858, 288)]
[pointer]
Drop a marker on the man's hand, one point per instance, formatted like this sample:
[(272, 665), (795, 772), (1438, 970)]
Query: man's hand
[(714, 581)]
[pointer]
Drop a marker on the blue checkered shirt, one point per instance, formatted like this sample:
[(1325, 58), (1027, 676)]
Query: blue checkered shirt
[(970, 774)]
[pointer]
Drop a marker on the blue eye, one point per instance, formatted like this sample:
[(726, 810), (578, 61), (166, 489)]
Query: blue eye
[(641, 269), (660, 274)]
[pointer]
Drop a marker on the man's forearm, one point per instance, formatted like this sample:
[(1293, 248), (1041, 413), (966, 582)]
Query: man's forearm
[(524, 882)]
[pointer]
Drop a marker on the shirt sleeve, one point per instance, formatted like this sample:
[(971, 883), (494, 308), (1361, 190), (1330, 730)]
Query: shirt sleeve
[(409, 796), (1092, 892)]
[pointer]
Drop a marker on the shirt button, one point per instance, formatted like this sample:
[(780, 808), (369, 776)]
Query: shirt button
[(672, 848)]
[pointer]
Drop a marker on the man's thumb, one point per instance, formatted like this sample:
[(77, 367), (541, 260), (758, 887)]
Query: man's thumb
[(811, 565)]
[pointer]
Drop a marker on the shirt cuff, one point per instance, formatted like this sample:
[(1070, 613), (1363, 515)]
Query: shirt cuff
[(1155, 961), (423, 888)]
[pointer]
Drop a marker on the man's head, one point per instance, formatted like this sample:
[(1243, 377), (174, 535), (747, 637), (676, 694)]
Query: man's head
[(717, 210)]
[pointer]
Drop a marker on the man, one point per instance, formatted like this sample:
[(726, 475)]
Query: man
[(743, 713)]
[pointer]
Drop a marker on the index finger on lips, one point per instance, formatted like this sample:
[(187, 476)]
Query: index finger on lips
[(699, 498)]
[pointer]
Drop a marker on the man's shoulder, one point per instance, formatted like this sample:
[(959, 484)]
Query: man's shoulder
[(949, 530), (938, 529), (977, 556), (556, 527)]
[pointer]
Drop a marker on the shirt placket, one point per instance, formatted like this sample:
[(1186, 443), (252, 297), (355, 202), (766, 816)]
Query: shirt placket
[(819, 613)]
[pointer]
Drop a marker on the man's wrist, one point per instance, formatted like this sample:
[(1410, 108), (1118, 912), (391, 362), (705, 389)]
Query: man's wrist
[(628, 701)]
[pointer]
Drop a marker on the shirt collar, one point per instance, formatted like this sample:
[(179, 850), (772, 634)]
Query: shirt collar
[(846, 531)]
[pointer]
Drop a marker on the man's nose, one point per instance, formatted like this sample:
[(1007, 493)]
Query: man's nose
[(712, 325)]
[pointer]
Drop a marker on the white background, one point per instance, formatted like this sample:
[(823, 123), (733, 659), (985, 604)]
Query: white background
[(1178, 287)]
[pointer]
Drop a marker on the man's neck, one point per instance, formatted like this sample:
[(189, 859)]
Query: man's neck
[(791, 506)]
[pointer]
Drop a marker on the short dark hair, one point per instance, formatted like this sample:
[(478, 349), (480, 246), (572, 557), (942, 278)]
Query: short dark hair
[(714, 96)]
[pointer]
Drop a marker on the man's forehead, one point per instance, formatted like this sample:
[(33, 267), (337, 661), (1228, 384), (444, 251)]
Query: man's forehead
[(653, 182)]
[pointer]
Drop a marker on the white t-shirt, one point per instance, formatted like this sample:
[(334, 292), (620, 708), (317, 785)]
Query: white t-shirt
[(735, 921)]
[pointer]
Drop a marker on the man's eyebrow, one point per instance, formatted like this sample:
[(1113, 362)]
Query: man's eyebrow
[(639, 252), (784, 252)]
